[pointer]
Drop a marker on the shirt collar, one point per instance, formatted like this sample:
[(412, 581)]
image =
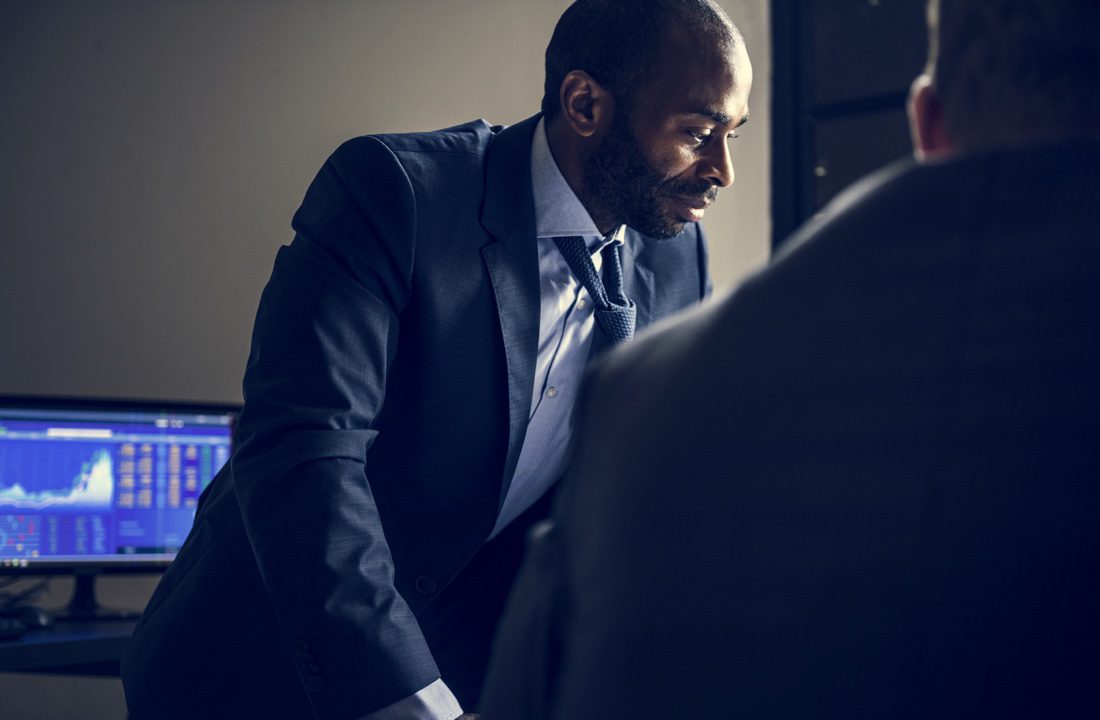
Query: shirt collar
[(558, 211)]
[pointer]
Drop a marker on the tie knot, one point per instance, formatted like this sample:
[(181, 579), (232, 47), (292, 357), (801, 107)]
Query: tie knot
[(615, 314)]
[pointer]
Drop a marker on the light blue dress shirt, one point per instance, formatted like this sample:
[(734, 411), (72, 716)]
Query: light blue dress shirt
[(566, 322)]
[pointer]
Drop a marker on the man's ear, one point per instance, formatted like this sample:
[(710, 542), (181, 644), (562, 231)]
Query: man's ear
[(586, 105), (926, 122)]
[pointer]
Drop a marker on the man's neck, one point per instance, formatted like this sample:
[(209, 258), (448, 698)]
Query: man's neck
[(570, 153)]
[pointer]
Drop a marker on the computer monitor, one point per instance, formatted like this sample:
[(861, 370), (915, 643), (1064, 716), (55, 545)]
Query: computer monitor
[(94, 486)]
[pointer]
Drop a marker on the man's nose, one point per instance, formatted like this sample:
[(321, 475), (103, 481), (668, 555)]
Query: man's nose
[(718, 165)]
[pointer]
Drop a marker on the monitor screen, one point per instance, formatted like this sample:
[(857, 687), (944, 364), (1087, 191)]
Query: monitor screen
[(105, 484)]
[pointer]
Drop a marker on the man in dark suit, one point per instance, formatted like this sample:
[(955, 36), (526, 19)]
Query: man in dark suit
[(867, 483), (414, 365)]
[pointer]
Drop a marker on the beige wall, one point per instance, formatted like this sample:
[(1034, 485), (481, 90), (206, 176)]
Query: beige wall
[(152, 154)]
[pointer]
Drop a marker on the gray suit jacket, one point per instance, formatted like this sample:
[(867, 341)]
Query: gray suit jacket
[(339, 563), (864, 485)]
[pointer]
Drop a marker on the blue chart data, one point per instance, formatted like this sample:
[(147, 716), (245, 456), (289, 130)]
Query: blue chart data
[(73, 476), (82, 487), (19, 535)]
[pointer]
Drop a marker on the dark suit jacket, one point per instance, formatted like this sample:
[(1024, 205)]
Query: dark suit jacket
[(398, 335), (864, 485)]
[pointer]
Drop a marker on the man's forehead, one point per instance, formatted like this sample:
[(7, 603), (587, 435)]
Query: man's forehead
[(685, 55), (680, 45), (714, 82)]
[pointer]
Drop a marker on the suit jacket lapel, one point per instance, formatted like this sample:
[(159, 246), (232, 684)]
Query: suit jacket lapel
[(638, 277), (512, 262)]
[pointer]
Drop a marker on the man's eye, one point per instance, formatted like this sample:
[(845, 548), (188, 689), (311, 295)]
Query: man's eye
[(699, 136)]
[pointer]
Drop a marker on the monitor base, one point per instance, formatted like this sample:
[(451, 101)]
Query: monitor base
[(83, 606)]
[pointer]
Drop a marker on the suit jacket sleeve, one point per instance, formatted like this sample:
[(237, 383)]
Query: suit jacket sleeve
[(325, 335)]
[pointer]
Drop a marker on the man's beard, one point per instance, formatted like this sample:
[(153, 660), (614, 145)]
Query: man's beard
[(625, 188)]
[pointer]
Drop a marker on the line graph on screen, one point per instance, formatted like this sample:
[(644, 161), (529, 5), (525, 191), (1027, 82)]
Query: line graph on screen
[(82, 479)]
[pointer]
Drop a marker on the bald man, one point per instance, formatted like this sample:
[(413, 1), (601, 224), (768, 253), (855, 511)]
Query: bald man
[(414, 367)]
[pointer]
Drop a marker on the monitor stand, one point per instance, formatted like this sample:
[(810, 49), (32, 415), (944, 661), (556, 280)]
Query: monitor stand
[(83, 606)]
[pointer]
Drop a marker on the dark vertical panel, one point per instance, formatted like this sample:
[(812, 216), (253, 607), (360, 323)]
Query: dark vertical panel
[(788, 119), (864, 48), (841, 72), (849, 146)]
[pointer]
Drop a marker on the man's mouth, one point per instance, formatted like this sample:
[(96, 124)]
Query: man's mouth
[(690, 208)]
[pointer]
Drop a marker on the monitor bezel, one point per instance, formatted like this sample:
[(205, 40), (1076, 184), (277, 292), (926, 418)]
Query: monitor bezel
[(126, 564)]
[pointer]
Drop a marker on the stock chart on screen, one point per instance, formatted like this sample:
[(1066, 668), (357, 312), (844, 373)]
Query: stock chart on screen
[(78, 484)]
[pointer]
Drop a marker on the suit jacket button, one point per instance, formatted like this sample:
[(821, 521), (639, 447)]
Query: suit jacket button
[(425, 585), (314, 684)]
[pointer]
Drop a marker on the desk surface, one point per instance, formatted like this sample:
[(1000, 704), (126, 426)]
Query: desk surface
[(69, 648)]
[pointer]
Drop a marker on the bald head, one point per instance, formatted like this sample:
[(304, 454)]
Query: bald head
[(620, 42)]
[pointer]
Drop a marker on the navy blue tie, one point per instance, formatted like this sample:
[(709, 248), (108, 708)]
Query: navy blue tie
[(615, 314)]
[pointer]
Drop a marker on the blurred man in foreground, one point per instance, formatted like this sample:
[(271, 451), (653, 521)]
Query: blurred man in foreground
[(867, 483)]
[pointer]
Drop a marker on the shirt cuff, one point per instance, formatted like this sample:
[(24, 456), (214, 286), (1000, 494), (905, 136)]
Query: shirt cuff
[(435, 702)]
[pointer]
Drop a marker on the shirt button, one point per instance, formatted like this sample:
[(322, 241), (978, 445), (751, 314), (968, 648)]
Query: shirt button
[(551, 392), (580, 304)]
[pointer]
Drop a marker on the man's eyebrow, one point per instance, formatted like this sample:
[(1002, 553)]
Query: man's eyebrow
[(719, 117)]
